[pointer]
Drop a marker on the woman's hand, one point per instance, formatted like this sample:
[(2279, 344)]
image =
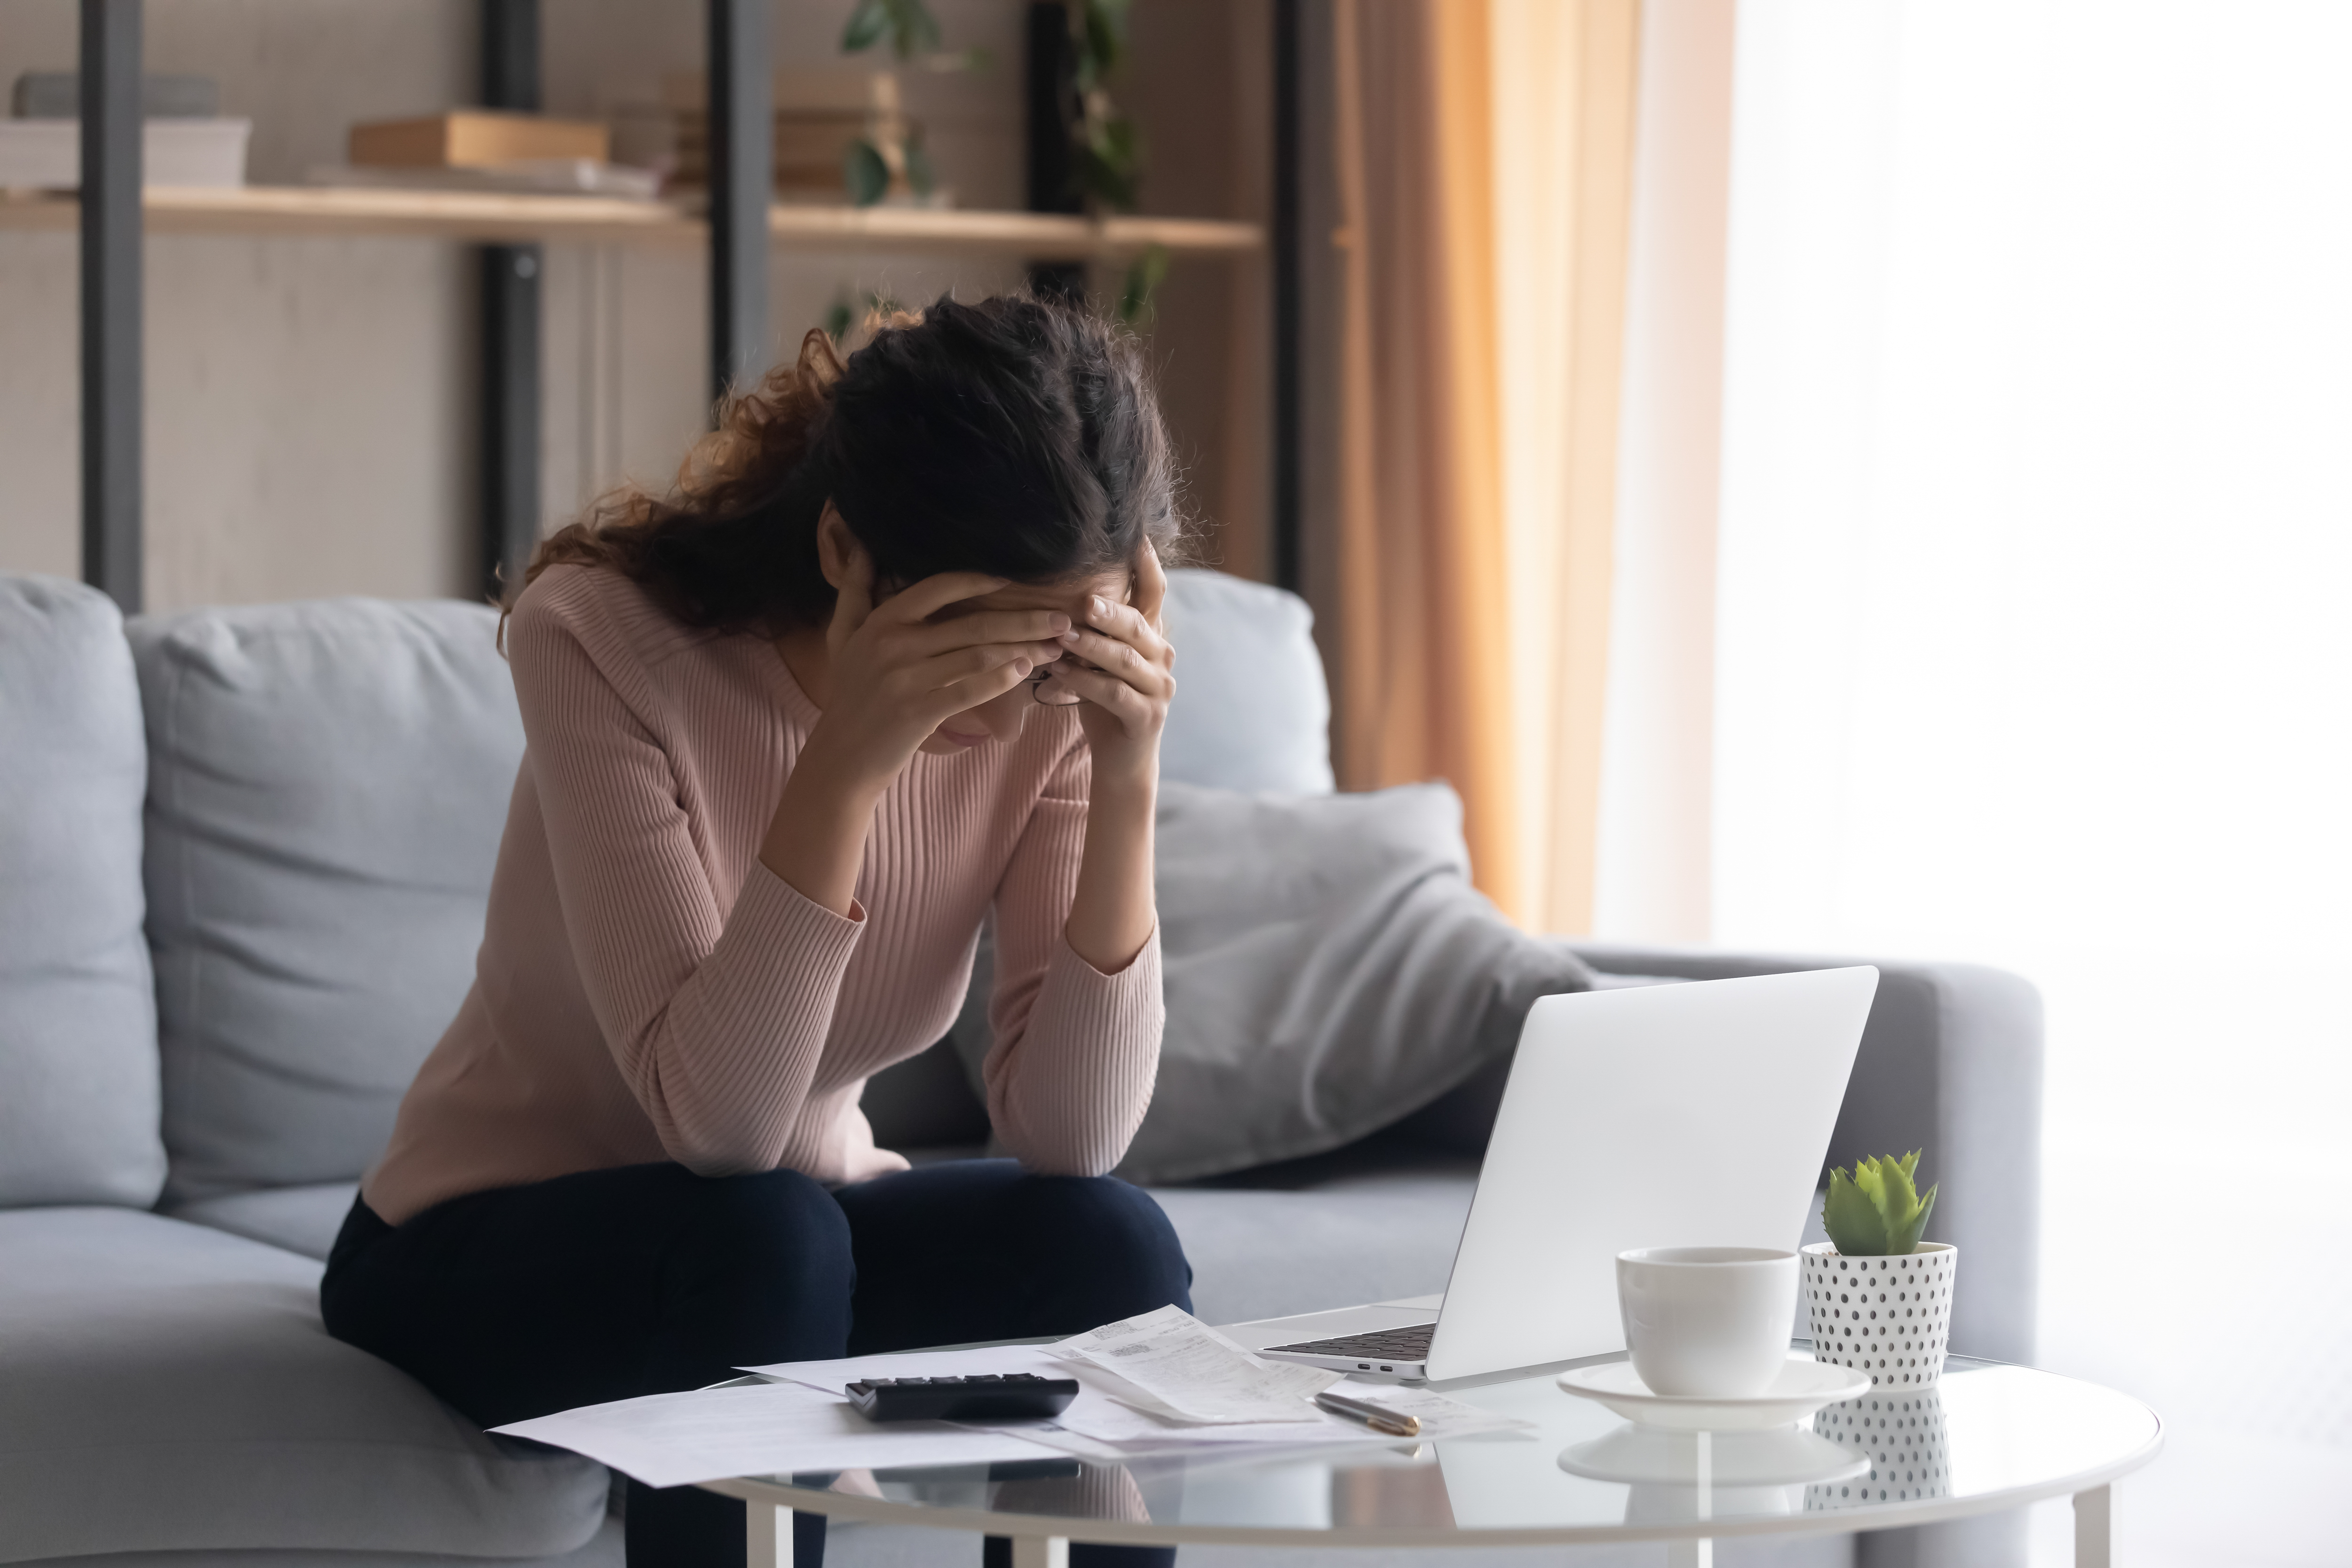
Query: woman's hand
[(1128, 689), (890, 678), (1126, 705), (893, 676)]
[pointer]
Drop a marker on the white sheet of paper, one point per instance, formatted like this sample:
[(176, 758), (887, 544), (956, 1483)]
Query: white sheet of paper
[(673, 1439), (1195, 1373)]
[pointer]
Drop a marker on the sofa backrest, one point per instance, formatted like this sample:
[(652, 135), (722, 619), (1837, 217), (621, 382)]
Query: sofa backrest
[(1252, 710), (328, 783), (77, 1074)]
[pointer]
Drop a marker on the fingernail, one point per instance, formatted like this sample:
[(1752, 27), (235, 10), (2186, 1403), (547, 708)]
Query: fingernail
[(1057, 622), (1070, 637), (1101, 605)]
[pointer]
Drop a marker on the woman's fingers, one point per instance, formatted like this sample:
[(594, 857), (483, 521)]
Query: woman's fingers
[(949, 668), (932, 595), (1127, 624), (1150, 584), (983, 686), (987, 626), (1121, 659), (1132, 708)]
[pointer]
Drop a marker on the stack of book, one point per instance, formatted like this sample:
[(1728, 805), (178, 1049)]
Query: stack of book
[(186, 141), (493, 149), (819, 115)]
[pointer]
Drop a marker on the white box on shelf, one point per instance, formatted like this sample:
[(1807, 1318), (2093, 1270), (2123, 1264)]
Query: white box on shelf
[(46, 154)]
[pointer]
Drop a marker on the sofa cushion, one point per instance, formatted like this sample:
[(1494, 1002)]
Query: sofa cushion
[(1252, 710), (328, 783), (171, 1386), (300, 1219), (1374, 1223), (78, 1073)]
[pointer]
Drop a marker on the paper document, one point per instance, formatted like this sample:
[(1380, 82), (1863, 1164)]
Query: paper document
[(1194, 1374), (672, 1439), (1133, 1410)]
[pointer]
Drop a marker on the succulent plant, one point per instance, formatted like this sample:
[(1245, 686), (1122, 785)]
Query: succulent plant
[(1876, 1212)]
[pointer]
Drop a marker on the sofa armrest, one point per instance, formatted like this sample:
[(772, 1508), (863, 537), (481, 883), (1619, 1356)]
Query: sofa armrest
[(1952, 1063)]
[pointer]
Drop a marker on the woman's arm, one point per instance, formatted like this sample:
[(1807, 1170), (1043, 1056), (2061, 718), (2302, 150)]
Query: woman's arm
[(1113, 912), (715, 1015), (1077, 1014)]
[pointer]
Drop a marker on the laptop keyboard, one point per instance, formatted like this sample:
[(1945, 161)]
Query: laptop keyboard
[(1383, 1345)]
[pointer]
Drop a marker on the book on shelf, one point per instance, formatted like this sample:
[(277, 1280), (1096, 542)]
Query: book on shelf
[(476, 139)]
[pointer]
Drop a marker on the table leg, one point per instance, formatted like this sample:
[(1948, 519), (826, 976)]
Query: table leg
[(1699, 1553), (2093, 1510), (1041, 1552), (767, 1535)]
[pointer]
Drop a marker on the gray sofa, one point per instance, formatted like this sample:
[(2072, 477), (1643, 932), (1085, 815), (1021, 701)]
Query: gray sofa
[(243, 861)]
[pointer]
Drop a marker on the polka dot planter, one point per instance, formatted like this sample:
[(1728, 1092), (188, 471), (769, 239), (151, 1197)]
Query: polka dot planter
[(1904, 1436), (1889, 1317)]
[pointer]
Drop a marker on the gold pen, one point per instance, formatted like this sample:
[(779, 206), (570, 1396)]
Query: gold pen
[(1372, 1416)]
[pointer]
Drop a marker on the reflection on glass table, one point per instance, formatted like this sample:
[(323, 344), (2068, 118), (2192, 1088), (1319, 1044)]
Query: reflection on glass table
[(1988, 1438)]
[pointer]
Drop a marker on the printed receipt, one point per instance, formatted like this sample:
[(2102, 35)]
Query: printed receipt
[(1192, 1373)]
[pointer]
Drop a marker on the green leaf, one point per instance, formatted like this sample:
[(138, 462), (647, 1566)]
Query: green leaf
[(1877, 1212), (1854, 1223), (914, 29), (1104, 35), (836, 319), (868, 23), (1143, 279), (918, 169), (1907, 1236), (863, 171)]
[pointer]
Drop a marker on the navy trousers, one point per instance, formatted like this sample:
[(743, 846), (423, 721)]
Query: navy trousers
[(606, 1285)]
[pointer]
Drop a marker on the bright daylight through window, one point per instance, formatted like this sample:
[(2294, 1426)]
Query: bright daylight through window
[(2034, 647)]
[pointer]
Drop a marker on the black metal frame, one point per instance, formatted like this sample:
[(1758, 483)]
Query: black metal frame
[(113, 311), (1049, 96), (1289, 561), (742, 174), (513, 398)]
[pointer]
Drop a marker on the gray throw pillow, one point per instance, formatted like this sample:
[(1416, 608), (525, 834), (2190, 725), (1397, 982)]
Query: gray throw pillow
[(1328, 969)]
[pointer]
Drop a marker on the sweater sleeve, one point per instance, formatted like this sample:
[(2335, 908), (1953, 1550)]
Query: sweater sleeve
[(1075, 1051), (716, 1018)]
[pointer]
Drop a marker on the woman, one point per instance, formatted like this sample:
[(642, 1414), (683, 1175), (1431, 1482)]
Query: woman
[(887, 658)]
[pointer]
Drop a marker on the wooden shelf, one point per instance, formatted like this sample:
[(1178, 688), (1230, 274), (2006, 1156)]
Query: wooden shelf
[(497, 218)]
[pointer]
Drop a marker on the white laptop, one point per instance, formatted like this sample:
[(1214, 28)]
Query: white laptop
[(1680, 1115)]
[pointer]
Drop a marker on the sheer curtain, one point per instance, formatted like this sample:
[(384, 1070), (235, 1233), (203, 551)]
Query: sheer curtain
[(2034, 646)]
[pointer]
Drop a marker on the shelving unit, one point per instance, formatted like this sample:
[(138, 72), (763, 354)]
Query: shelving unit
[(114, 213), (502, 219)]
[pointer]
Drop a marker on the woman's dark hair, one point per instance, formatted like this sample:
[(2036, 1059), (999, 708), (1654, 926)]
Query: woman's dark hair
[(1010, 436)]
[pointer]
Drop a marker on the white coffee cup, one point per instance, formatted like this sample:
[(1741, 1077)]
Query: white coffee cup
[(1711, 1322)]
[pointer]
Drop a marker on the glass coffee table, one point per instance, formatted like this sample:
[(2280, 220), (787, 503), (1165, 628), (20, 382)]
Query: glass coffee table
[(1989, 1437)]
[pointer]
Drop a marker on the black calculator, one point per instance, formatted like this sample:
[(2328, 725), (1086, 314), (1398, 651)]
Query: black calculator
[(1014, 1396)]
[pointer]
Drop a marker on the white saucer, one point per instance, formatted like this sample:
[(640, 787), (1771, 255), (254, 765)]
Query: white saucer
[(1803, 1386), (1648, 1456)]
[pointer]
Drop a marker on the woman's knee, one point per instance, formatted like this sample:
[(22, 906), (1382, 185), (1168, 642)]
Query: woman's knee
[(766, 1212), (1121, 1234)]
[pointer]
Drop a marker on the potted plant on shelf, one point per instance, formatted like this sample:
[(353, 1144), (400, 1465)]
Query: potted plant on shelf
[(1880, 1299)]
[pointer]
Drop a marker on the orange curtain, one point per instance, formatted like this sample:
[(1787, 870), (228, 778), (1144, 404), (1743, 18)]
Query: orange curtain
[(1425, 645), (1483, 151)]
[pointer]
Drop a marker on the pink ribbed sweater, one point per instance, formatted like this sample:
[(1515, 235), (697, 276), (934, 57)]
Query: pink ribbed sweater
[(648, 990)]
